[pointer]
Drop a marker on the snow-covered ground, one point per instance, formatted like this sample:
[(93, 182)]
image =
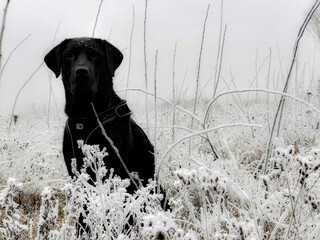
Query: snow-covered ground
[(226, 198), (227, 173)]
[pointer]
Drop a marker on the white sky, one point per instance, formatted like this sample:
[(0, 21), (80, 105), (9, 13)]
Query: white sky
[(253, 27)]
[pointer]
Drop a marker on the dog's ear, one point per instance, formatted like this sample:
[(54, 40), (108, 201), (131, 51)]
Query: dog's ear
[(53, 59), (114, 57)]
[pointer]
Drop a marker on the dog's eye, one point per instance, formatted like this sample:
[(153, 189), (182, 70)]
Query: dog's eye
[(68, 56), (95, 55)]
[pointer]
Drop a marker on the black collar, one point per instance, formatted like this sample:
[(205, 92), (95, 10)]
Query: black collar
[(120, 110)]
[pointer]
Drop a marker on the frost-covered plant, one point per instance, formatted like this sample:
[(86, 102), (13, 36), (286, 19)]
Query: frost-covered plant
[(292, 190), (48, 216), (12, 228), (201, 194), (32, 153), (108, 210), (225, 198), (160, 226)]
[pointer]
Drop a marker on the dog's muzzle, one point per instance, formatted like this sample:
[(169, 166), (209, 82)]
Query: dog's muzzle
[(82, 72), (83, 82)]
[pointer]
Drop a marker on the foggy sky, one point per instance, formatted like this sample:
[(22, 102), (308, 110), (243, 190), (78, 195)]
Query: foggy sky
[(253, 28)]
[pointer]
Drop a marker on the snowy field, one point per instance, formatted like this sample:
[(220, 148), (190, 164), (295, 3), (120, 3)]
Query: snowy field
[(233, 164), (233, 197)]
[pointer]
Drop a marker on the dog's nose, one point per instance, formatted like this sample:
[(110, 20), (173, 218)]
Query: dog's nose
[(81, 71)]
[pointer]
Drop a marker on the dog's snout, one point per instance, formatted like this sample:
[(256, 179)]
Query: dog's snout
[(82, 71)]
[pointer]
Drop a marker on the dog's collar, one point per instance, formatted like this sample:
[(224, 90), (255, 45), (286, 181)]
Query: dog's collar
[(120, 110)]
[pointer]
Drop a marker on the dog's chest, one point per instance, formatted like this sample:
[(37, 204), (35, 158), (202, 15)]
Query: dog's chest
[(90, 132), (83, 130)]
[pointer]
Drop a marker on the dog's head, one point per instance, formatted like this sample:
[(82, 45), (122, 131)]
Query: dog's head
[(86, 64)]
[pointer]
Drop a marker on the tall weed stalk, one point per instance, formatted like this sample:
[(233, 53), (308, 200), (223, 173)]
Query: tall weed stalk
[(278, 115)]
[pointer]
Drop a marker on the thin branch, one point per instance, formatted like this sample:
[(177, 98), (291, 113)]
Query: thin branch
[(282, 100), (181, 93), (96, 21), (4, 18), (173, 91), (220, 62), (18, 94), (115, 149), (256, 90), (155, 110), (50, 81), (268, 80), (7, 60), (219, 49), (145, 61), (200, 133), (199, 68), (165, 100), (199, 63), (130, 49), (256, 72)]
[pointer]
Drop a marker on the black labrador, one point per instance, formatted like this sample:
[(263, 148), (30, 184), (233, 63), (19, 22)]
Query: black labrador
[(87, 66)]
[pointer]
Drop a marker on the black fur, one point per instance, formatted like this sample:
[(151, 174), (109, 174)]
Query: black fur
[(87, 66)]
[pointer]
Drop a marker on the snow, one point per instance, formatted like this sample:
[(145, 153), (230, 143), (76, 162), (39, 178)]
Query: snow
[(210, 198)]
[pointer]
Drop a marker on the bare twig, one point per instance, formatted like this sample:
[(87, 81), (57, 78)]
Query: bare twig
[(166, 101), (181, 92), (292, 205), (220, 62), (205, 131), (315, 24), (96, 21), (130, 49), (282, 100), (4, 18), (155, 107), (18, 94), (173, 91), (268, 80), (219, 49), (145, 61), (256, 90), (199, 63), (198, 72), (115, 149), (7, 60), (256, 72), (50, 81)]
